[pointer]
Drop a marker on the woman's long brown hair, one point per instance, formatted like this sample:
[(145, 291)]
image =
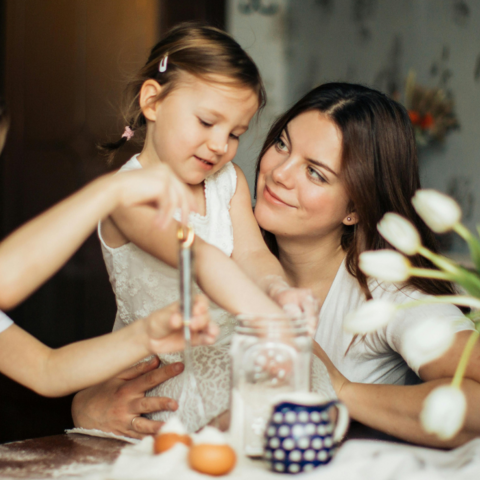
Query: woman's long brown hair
[(379, 169)]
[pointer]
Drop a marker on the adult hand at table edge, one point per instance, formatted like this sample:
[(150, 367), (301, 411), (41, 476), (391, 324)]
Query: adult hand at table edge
[(339, 381), (112, 405)]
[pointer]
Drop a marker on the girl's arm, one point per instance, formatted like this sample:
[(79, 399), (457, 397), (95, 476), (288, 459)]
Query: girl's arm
[(34, 252), (218, 275), (58, 372), (395, 409), (251, 252)]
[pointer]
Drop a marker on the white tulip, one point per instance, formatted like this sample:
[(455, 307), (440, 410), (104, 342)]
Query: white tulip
[(385, 265), (371, 316), (444, 412), (439, 211), (428, 340), (400, 233)]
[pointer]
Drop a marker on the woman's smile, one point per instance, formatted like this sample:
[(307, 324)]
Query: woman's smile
[(273, 198)]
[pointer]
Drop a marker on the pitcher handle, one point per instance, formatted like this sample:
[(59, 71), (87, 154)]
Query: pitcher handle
[(343, 420)]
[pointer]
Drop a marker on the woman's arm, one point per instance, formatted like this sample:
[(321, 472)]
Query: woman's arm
[(395, 409), (34, 252), (58, 372), (111, 406)]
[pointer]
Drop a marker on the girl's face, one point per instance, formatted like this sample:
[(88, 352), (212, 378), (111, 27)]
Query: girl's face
[(196, 128), (300, 192)]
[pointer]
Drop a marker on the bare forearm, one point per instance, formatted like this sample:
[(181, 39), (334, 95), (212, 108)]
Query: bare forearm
[(76, 366), (228, 285), (104, 356), (395, 409), (38, 249), (262, 267)]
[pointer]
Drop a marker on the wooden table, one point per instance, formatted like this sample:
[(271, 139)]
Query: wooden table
[(43, 457), (46, 457)]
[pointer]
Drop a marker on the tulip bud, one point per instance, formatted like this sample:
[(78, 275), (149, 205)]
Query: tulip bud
[(440, 212), (385, 265), (400, 233), (428, 340), (371, 316), (444, 412)]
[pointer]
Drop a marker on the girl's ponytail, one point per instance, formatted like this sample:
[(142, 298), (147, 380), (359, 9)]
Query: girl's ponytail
[(109, 148)]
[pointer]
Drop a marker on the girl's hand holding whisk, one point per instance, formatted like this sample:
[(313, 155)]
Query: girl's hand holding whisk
[(165, 327)]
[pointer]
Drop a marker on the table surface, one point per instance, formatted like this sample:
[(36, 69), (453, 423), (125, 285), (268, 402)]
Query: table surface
[(45, 457)]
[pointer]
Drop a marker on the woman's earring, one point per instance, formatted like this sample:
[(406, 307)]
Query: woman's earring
[(349, 219)]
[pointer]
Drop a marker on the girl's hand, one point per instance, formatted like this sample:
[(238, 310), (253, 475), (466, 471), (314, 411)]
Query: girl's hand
[(339, 381), (165, 327), (295, 301), (156, 185)]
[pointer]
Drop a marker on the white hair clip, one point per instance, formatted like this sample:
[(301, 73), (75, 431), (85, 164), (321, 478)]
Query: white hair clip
[(163, 64)]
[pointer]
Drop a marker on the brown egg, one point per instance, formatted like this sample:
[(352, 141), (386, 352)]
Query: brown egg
[(212, 459), (165, 441)]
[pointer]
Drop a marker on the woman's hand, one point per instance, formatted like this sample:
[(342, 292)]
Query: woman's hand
[(116, 406), (165, 327), (339, 381)]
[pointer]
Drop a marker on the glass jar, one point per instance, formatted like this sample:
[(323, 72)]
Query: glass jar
[(270, 357)]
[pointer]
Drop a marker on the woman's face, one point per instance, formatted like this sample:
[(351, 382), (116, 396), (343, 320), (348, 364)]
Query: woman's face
[(300, 191)]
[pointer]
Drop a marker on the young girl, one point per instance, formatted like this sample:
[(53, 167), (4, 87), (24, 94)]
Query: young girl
[(188, 106), (34, 252)]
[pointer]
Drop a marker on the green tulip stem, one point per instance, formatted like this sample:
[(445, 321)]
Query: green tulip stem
[(462, 300), (463, 231), (462, 364), (430, 273), (440, 261), (468, 280), (473, 243)]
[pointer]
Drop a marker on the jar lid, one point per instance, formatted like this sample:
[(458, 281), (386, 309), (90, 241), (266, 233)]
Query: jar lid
[(271, 323)]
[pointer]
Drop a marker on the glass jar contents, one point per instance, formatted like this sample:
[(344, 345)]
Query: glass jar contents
[(270, 357)]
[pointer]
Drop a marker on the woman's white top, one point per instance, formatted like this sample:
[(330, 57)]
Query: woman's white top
[(142, 284), (5, 322), (379, 357)]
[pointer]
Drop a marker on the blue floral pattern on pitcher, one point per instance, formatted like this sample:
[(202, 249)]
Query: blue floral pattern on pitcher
[(300, 437)]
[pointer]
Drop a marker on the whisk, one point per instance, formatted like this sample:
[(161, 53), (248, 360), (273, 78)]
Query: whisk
[(191, 410)]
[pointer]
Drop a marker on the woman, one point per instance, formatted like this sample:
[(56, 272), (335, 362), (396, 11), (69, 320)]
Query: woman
[(330, 168)]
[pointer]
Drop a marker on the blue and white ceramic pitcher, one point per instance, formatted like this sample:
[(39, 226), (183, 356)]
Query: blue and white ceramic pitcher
[(303, 432)]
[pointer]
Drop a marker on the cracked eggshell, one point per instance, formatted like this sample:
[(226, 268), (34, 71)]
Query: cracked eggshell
[(171, 433)]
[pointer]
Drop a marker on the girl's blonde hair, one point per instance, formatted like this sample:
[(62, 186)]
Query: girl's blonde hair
[(200, 50)]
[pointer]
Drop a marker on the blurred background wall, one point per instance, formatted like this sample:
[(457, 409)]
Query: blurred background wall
[(63, 67), (300, 44)]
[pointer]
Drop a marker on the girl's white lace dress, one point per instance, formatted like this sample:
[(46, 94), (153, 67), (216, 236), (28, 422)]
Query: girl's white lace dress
[(143, 284)]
